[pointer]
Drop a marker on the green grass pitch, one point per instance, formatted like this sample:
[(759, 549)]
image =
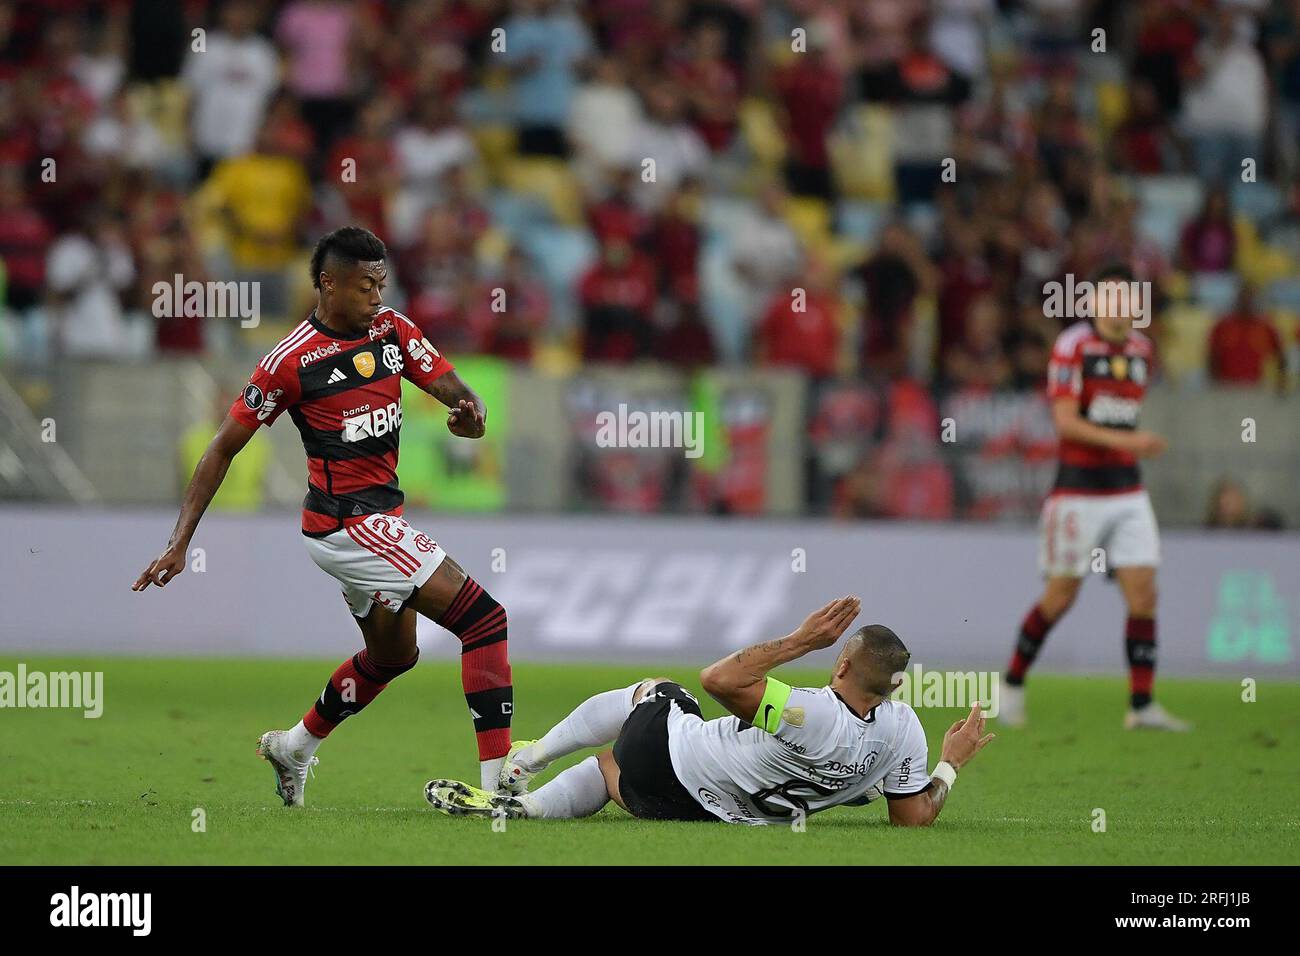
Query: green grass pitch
[(178, 735)]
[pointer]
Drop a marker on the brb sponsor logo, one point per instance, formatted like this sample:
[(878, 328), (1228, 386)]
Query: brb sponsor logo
[(1113, 410), (367, 422), (318, 353)]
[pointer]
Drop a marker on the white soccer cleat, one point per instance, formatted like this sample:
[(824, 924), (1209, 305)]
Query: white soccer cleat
[(290, 767), (1011, 705), (514, 776), (1154, 717)]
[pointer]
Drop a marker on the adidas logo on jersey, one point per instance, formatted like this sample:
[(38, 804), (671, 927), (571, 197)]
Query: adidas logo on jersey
[(336, 376)]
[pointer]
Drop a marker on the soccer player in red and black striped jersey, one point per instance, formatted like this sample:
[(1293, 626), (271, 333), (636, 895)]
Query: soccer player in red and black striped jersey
[(339, 376), (1096, 381)]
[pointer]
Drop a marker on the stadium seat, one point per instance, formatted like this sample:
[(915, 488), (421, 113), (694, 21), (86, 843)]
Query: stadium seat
[(1179, 194), (1260, 201), (516, 212), (1162, 225), (762, 133), (1284, 294), (1216, 291), (860, 220), (862, 154), (1184, 341), (723, 300), (562, 255), (810, 219), (551, 181)]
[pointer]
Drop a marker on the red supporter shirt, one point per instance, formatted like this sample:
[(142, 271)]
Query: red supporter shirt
[(1239, 347), (1109, 382), (807, 339), (345, 396)]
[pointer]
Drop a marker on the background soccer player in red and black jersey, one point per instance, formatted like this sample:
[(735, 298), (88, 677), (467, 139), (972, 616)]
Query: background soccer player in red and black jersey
[(1096, 381), (338, 375)]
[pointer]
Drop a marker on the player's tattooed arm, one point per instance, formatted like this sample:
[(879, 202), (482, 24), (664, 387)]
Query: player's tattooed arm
[(739, 680), (229, 440), (921, 809), (468, 415)]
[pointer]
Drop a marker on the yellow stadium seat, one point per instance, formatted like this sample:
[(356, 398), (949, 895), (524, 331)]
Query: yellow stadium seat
[(1184, 340), (762, 132), (551, 181), (862, 154), (496, 145), (1112, 105), (810, 218)]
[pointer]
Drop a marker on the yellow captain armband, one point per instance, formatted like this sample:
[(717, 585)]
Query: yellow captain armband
[(768, 716)]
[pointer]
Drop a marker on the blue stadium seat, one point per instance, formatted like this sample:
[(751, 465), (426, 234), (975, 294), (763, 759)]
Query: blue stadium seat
[(860, 220), (516, 212), (1216, 291), (1161, 225), (723, 301), (562, 254), (1261, 201), (1284, 294), (1181, 194)]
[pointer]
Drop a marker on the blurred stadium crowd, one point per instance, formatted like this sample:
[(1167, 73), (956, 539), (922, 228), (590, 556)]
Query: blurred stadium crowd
[(796, 145)]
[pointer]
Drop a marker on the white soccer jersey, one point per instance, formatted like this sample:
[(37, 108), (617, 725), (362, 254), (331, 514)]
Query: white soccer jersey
[(822, 755)]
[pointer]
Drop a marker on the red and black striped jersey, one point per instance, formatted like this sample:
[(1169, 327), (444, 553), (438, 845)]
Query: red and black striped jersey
[(345, 396), (1109, 380)]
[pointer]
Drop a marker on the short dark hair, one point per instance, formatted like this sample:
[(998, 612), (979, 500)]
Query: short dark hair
[(882, 654), (1112, 272), (350, 244)]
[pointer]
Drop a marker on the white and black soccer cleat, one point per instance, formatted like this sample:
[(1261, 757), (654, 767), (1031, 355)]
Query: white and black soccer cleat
[(1011, 705), (291, 767), (514, 776), (1154, 717)]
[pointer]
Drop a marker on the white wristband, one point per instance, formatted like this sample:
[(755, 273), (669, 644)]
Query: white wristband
[(946, 772)]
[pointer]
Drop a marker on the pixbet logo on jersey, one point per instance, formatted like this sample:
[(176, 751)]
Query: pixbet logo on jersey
[(318, 353), (373, 423)]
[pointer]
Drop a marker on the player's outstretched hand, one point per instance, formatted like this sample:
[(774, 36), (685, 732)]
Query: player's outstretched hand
[(162, 569), (823, 627), (465, 420), (965, 738), (1148, 444)]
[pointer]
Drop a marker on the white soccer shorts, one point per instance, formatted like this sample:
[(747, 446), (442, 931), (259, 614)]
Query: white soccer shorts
[(380, 558), (1072, 526)]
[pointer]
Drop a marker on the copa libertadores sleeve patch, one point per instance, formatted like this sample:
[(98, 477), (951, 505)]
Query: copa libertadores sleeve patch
[(768, 717)]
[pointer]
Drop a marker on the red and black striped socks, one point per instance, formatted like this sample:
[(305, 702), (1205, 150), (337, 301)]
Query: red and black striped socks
[(1033, 631), (480, 623), (1140, 648), (356, 683)]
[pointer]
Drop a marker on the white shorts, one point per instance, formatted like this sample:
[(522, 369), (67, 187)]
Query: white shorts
[(1072, 526), (380, 558)]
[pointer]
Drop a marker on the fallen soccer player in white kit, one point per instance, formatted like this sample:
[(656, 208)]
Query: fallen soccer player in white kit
[(784, 750)]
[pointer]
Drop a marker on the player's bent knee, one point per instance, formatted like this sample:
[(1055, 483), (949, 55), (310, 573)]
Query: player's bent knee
[(609, 770)]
